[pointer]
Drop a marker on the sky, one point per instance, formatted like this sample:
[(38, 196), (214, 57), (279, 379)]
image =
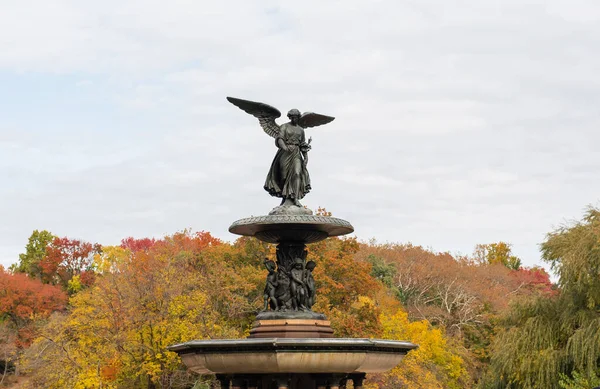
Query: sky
[(457, 123)]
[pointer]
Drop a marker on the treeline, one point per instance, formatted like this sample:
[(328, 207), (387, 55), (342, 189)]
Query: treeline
[(79, 315)]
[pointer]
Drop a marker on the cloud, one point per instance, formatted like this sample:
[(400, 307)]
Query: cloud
[(456, 123)]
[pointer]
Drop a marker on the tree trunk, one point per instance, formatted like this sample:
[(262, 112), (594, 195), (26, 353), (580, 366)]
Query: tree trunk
[(151, 385)]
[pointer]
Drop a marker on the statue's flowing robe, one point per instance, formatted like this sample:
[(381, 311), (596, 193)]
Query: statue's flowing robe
[(288, 177)]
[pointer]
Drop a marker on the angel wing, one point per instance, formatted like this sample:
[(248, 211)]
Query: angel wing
[(265, 114), (311, 119)]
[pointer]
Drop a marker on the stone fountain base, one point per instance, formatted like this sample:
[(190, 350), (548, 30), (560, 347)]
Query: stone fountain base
[(291, 363)]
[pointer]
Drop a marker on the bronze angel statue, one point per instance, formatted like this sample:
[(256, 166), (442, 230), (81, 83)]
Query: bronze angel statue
[(288, 177)]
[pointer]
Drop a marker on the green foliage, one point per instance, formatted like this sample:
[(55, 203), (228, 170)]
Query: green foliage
[(551, 336), (35, 251), (574, 253), (579, 381), (382, 271)]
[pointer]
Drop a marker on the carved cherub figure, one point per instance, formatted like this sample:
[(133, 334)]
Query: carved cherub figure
[(271, 286), (310, 284), (297, 286)]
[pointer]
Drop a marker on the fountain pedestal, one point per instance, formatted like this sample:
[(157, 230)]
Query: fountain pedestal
[(291, 232), (291, 328)]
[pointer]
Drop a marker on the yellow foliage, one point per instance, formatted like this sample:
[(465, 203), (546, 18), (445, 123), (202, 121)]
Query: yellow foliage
[(74, 284), (117, 331), (110, 258), (432, 365)]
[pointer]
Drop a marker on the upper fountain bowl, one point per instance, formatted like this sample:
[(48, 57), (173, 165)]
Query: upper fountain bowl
[(291, 228)]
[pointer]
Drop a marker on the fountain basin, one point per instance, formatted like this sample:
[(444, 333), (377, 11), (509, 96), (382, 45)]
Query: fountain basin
[(292, 355)]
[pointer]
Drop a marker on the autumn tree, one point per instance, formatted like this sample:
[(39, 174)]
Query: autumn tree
[(436, 286), (533, 281), (433, 365), (68, 258), (9, 351), (117, 330), (135, 245), (25, 304), (23, 300), (346, 290), (58, 261), (462, 297), (497, 253)]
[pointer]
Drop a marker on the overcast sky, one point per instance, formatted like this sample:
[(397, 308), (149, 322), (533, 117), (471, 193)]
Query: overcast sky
[(457, 122)]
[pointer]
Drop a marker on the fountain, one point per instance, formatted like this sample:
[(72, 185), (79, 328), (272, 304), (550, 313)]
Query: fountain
[(290, 346)]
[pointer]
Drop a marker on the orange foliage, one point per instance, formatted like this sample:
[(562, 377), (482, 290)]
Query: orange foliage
[(345, 288), (454, 293), (24, 300)]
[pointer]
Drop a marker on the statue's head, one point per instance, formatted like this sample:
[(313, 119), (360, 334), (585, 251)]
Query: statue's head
[(298, 263), (310, 265), (294, 115)]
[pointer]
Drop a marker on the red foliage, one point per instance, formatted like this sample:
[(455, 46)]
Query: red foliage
[(87, 277), (65, 258), (534, 279), (184, 240), (135, 245)]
